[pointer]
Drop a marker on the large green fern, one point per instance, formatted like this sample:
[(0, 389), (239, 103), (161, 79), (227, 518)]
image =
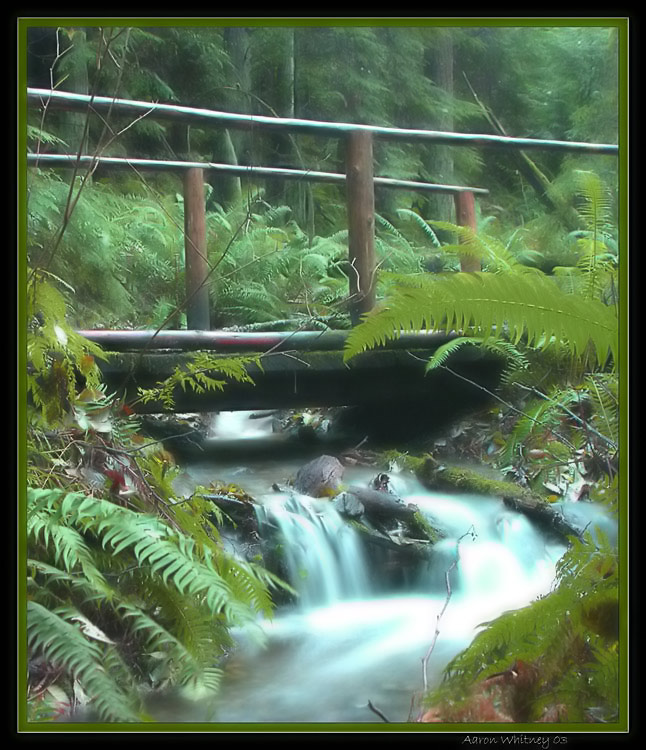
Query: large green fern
[(526, 306), (104, 579), (569, 636)]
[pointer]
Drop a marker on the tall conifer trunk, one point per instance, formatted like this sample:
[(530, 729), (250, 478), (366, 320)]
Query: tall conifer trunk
[(440, 161), (234, 147)]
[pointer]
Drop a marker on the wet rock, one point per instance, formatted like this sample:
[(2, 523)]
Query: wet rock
[(320, 477), (381, 504), (349, 505)]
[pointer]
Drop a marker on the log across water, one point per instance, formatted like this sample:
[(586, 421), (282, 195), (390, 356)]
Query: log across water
[(297, 379)]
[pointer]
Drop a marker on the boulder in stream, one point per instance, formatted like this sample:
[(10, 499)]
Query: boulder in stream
[(320, 477)]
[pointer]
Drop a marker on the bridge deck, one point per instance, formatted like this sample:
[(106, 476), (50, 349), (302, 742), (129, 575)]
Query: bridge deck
[(300, 378)]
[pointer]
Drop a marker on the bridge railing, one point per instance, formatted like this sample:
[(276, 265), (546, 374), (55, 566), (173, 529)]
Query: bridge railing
[(359, 179)]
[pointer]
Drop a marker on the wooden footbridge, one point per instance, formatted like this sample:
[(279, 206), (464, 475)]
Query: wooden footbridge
[(300, 368)]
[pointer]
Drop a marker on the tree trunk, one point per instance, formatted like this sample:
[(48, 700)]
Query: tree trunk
[(440, 158), (283, 150), (74, 68), (227, 190), (233, 147)]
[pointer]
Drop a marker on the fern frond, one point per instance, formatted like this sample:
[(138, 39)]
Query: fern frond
[(491, 251), (487, 305), (596, 206), (193, 652), (602, 391), (425, 225), (47, 517), (61, 642), (197, 375), (516, 360)]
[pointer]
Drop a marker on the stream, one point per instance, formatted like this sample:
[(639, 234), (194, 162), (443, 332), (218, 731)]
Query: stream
[(349, 639)]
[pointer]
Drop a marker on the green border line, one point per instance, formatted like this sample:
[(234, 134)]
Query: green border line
[(622, 26)]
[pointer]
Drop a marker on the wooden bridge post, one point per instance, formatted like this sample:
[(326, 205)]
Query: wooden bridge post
[(465, 216), (361, 222), (197, 269)]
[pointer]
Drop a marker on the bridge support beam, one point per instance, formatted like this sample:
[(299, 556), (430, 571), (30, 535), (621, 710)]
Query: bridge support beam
[(465, 216), (197, 268), (361, 222), (292, 380)]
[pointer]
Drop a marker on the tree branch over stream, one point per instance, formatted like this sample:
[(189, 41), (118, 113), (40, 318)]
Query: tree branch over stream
[(472, 533)]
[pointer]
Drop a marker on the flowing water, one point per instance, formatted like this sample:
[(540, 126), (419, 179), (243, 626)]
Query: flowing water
[(347, 642)]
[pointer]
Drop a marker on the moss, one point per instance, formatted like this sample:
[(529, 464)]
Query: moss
[(403, 460), (421, 524), (437, 476)]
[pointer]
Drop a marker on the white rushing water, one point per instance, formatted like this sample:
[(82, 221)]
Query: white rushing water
[(345, 643)]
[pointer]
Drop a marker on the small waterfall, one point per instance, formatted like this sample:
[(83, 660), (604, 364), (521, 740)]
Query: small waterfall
[(238, 425), (322, 553), (348, 641), (501, 559)]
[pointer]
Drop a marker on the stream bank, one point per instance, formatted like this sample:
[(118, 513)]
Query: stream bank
[(368, 553)]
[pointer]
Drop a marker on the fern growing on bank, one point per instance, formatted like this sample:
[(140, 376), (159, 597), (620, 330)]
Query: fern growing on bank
[(566, 643), (120, 602), (118, 599)]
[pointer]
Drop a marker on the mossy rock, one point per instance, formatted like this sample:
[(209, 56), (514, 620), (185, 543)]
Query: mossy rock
[(437, 476)]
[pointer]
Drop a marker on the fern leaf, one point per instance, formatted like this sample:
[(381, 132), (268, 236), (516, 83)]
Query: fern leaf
[(522, 305), (64, 644), (425, 225), (516, 360)]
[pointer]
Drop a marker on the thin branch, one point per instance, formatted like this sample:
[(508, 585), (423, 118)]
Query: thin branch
[(586, 425), (471, 532), (379, 713), (72, 200)]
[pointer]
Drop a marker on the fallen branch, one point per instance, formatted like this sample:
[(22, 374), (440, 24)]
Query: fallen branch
[(449, 592), (379, 713)]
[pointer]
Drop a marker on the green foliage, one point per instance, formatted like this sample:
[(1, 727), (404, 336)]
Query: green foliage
[(92, 581), (570, 637), (522, 306), (55, 351), (120, 602), (151, 601), (602, 391), (516, 361), (494, 255), (122, 251), (196, 375), (541, 422)]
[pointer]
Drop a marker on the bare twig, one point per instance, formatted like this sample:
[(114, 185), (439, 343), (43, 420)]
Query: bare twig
[(72, 199), (471, 532), (379, 713), (586, 425)]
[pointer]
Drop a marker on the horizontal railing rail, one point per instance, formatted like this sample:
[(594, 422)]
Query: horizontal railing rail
[(105, 104), (359, 179), (66, 160)]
